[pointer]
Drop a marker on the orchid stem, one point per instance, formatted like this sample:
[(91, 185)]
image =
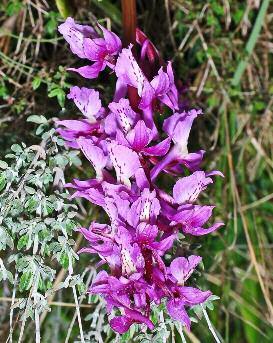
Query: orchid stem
[(210, 326), (129, 21)]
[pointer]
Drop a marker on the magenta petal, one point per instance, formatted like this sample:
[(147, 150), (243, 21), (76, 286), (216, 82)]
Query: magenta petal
[(194, 296), (178, 127), (124, 114), (146, 232), (92, 195), (139, 136), (188, 188), (125, 162), (160, 82), (78, 125), (182, 268), (147, 95), (121, 324), (141, 179), (200, 215), (139, 318), (94, 49), (94, 154), (193, 160), (200, 231), (128, 70), (90, 72), (164, 244), (159, 149), (215, 172), (177, 311), (112, 41), (87, 100), (74, 34)]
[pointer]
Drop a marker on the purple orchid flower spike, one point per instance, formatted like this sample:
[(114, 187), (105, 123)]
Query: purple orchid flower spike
[(127, 152)]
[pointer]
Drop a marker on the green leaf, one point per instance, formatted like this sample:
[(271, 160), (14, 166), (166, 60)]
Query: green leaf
[(36, 82), (52, 23), (3, 165), (31, 204), (3, 181), (5, 239), (30, 190), (64, 7), (13, 7), (23, 241), (64, 260), (26, 281), (16, 148), (59, 93), (37, 119)]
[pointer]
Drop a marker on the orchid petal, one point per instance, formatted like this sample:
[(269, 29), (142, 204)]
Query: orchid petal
[(177, 311), (90, 71), (139, 136), (188, 188), (182, 268), (87, 100), (125, 162), (94, 154), (94, 49), (121, 324), (74, 34), (112, 41), (159, 149)]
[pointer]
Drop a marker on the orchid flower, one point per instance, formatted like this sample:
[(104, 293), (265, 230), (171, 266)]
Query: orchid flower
[(127, 152), (86, 43)]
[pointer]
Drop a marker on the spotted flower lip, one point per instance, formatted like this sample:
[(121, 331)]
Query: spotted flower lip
[(187, 189), (128, 150)]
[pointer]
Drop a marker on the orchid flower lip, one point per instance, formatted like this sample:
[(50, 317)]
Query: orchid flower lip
[(127, 150)]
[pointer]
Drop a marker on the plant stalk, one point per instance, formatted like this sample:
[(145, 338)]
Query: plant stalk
[(129, 21)]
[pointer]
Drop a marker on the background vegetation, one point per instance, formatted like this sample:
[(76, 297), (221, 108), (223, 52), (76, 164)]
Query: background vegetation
[(222, 52)]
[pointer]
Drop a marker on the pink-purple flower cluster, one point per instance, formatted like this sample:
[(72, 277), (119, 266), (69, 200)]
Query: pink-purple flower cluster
[(128, 151)]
